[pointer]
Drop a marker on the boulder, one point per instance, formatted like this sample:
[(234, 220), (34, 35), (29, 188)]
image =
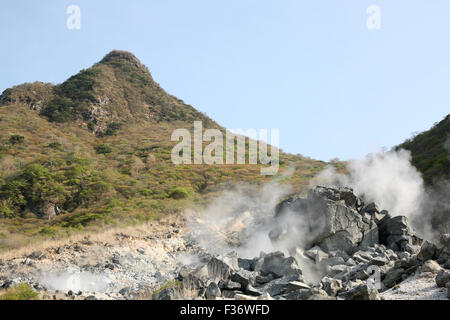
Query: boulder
[(212, 291), (280, 285), (427, 251), (221, 267), (393, 277), (331, 286), (361, 292), (243, 277), (442, 278), (277, 265), (396, 233), (331, 216)]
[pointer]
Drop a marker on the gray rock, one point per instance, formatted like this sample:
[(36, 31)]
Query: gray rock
[(278, 265), (259, 279), (393, 276), (279, 286), (229, 285), (212, 291), (331, 286), (172, 293), (427, 251), (442, 278), (448, 290), (246, 264), (244, 277), (296, 285), (379, 261), (221, 267), (396, 233), (371, 208), (90, 298), (250, 290), (361, 292)]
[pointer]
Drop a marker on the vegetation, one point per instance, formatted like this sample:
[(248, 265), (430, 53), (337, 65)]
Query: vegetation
[(20, 292), (98, 148), (430, 151)]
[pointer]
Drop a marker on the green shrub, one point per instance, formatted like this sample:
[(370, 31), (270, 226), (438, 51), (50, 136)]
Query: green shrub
[(145, 192), (112, 129), (103, 149), (16, 139), (60, 109), (22, 291), (178, 193)]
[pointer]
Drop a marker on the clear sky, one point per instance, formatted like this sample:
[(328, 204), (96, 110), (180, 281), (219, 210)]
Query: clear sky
[(312, 69)]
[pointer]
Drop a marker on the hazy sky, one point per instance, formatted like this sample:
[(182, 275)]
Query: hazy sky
[(312, 69)]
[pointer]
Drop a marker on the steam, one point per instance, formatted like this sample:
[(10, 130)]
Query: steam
[(390, 180), (76, 281), (239, 219)]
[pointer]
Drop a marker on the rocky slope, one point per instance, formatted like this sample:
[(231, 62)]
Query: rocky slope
[(355, 250)]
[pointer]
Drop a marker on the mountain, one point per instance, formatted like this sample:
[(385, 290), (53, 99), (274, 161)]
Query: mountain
[(430, 151), (95, 151)]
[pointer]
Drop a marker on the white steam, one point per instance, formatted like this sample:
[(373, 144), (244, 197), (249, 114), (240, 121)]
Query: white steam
[(388, 179), (76, 281)]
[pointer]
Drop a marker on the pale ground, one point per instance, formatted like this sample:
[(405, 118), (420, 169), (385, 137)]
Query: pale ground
[(418, 287)]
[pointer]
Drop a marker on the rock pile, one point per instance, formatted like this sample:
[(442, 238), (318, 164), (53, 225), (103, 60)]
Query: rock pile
[(359, 249)]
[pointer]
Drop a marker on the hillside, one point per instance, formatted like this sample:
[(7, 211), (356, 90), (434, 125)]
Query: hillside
[(430, 151), (94, 152)]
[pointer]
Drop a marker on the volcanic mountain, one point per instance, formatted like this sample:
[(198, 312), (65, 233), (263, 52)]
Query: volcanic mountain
[(96, 150)]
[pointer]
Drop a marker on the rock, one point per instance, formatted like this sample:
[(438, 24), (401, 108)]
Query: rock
[(244, 277), (191, 282), (172, 293), (250, 290), (246, 264), (259, 279), (404, 255), (448, 290), (125, 291), (361, 292), (371, 208), (393, 276), (332, 217), (279, 286), (427, 251), (430, 266), (333, 261), (334, 270), (221, 267), (90, 298), (239, 296), (35, 255), (331, 286), (379, 261), (442, 278), (212, 291), (396, 233), (265, 296), (230, 294), (229, 285), (316, 254), (278, 265), (296, 285), (447, 264), (370, 237), (445, 241)]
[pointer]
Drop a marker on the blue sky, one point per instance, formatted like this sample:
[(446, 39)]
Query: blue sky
[(312, 68)]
